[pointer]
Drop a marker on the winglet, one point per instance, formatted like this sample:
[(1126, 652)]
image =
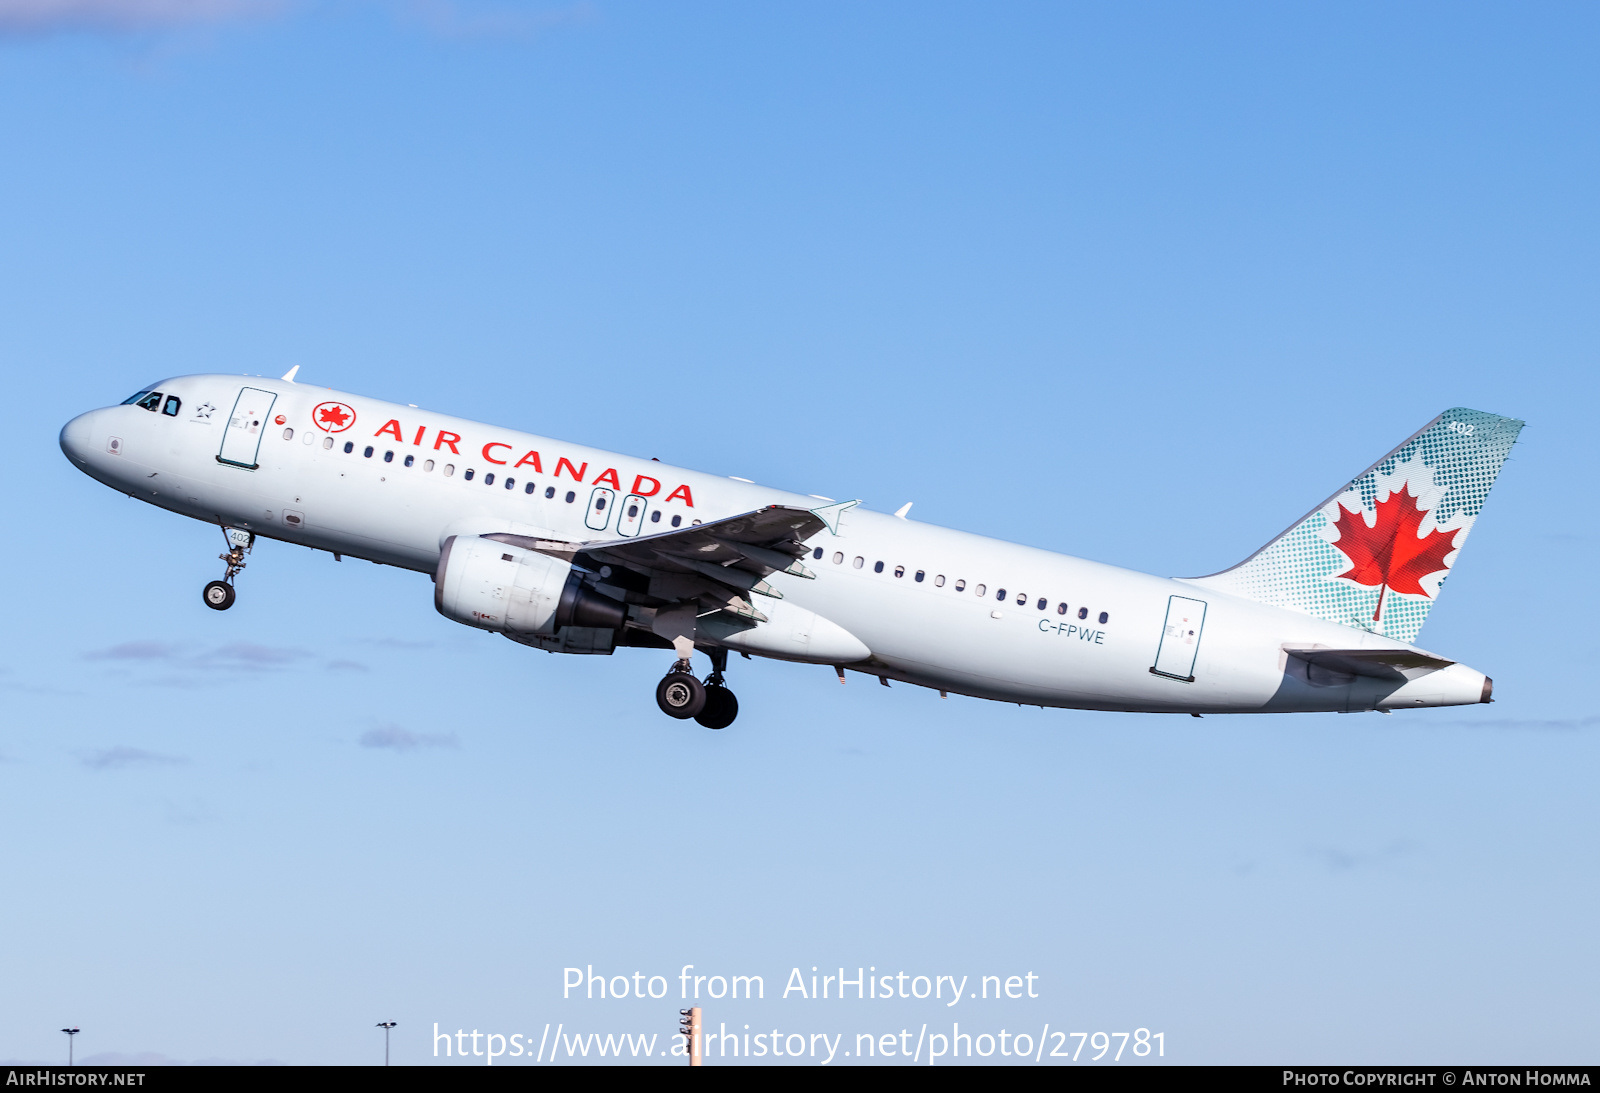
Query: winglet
[(903, 509), (288, 377), (829, 514)]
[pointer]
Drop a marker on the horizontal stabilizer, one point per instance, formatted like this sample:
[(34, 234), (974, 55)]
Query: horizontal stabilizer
[(1378, 663)]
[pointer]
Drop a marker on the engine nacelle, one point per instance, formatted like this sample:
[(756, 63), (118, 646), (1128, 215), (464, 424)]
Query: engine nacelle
[(493, 586)]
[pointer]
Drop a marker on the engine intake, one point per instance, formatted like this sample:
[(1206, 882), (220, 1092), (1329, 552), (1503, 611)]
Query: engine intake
[(494, 586)]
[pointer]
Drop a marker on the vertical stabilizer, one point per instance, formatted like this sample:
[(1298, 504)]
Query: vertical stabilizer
[(1374, 555)]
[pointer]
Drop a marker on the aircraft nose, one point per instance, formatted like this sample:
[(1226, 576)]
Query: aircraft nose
[(77, 437)]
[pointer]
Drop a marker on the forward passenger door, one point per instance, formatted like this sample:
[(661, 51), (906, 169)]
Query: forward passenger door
[(241, 440)]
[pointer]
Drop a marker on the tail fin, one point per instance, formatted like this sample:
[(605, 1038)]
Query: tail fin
[(1374, 555)]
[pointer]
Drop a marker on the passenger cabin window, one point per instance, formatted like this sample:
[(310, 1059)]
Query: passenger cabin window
[(151, 402), (899, 571), (1043, 603), (877, 567), (571, 497), (938, 581), (817, 554), (838, 557), (859, 562), (368, 453), (511, 483), (449, 469), (655, 517), (410, 460), (1022, 599), (1000, 595), (468, 474), (1061, 609), (427, 466), (488, 479), (978, 591), (349, 446), (529, 488), (920, 575), (1083, 612), (961, 585), (288, 434), (174, 404), (388, 457), (327, 442), (1105, 617), (549, 492), (676, 521)]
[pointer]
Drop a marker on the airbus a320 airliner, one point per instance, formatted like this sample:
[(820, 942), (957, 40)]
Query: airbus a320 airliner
[(577, 550)]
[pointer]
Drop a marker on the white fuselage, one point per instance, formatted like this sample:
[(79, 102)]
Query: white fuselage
[(935, 607)]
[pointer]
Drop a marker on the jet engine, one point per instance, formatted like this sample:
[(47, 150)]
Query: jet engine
[(493, 586)]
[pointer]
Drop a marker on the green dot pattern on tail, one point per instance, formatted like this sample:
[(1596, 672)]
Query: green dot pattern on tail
[(1448, 467)]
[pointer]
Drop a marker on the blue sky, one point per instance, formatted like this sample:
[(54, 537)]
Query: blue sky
[(1138, 282)]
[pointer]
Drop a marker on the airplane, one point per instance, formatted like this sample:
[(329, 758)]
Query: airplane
[(577, 550)]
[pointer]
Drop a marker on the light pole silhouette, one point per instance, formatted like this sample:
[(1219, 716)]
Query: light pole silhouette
[(386, 1026), (71, 1032)]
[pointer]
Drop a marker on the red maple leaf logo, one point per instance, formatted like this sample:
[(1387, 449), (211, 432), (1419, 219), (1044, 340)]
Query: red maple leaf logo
[(333, 417), (1391, 554)]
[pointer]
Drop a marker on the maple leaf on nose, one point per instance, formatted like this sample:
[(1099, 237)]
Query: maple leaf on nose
[(1391, 554)]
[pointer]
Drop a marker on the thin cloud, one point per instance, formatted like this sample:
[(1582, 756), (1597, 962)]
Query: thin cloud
[(239, 655), (347, 666), (135, 650), (399, 643), (244, 654), (121, 758), (1339, 860), (394, 738), (44, 16), (1568, 724)]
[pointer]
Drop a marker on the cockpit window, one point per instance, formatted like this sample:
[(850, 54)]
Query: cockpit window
[(151, 402), (137, 395), (172, 407)]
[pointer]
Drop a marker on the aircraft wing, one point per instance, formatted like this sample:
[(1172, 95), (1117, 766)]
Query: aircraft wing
[(719, 563)]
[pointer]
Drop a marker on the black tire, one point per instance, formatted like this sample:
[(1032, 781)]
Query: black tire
[(720, 710), (680, 695), (218, 595)]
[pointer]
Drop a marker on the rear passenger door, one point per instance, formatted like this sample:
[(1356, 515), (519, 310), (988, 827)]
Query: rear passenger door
[(1180, 638)]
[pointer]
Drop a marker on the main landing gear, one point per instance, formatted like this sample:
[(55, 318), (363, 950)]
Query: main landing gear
[(219, 595), (681, 695)]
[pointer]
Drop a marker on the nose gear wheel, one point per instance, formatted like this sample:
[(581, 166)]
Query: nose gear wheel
[(219, 595)]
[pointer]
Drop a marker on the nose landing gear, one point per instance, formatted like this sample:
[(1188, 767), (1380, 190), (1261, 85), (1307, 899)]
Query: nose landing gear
[(681, 695), (219, 595)]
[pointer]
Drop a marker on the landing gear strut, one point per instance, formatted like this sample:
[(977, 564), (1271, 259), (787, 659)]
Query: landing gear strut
[(219, 595), (681, 695)]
